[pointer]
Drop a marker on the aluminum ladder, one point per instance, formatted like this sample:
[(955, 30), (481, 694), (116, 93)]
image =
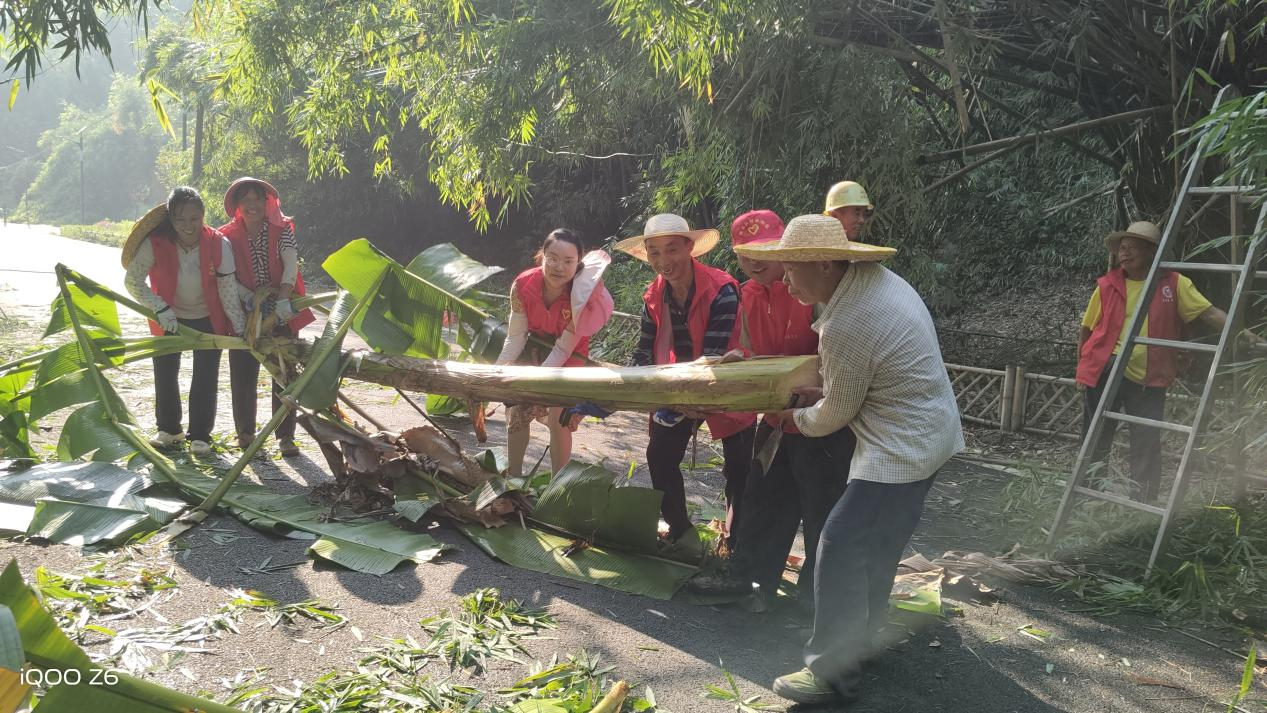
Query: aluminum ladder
[(1242, 274)]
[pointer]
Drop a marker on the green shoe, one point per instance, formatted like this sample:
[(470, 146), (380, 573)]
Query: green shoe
[(806, 688)]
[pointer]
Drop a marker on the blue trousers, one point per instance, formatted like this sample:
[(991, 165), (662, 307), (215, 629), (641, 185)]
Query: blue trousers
[(858, 553), (806, 478)]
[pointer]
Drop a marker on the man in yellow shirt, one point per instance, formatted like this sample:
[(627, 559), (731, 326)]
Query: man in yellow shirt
[(1150, 370)]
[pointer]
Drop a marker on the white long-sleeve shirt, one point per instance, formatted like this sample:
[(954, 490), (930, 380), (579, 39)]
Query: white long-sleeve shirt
[(188, 302), (884, 377), (517, 337)]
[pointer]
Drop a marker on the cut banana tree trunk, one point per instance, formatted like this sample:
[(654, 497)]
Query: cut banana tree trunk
[(759, 385)]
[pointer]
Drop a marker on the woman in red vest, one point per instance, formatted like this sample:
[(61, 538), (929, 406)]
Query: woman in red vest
[(1150, 370), (561, 302), (688, 312), (191, 281), (263, 241)]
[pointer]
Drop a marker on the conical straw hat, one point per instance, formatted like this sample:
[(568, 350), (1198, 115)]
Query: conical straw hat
[(815, 237), (142, 230)]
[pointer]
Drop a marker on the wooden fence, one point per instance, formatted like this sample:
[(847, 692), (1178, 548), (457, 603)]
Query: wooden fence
[(1013, 399)]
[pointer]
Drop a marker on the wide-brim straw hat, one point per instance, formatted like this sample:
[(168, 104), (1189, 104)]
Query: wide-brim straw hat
[(1142, 229), (815, 237), (141, 230), (231, 205), (669, 224)]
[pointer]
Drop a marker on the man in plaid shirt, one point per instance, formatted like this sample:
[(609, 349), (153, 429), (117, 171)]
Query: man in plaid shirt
[(883, 376)]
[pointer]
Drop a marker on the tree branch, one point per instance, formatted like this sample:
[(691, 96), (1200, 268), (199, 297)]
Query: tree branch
[(1023, 139)]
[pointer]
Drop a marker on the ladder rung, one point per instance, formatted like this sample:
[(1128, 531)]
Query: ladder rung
[(1127, 418), (1120, 500), (1220, 190), (1211, 267), (1188, 346), (1203, 266), (1252, 476)]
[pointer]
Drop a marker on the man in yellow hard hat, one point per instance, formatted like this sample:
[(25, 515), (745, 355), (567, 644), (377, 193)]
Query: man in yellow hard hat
[(847, 202)]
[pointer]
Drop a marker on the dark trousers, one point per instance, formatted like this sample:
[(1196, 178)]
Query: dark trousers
[(244, 380), (805, 479), (665, 449), (202, 388), (858, 554), (1145, 453)]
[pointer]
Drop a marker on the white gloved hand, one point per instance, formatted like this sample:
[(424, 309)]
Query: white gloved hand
[(283, 310), (167, 320)]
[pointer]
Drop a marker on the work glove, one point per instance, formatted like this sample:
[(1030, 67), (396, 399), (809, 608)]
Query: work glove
[(667, 417), (246, 297), (166, 319), (283, 311), (585, 408)]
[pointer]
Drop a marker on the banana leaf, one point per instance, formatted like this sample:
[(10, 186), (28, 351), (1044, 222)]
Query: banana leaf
[(81, 482), (451, 270), (322, 391), (408, 313), (94, 309), (533, 549), (14, 435), (82, 524), (375, 547), (44, 646), (583, 499), (441, 405), (94, 429), (82, 503)]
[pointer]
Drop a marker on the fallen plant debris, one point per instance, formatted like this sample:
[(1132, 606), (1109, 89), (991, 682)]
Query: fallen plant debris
[(276, 613), (485, 626), (733, 696), (80, 684), (575, 685)]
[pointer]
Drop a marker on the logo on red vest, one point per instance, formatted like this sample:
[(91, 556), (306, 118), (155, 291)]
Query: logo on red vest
[(1167, 293), (566, 314)]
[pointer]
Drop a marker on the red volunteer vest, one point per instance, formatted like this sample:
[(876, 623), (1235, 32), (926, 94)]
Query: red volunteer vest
[(167, 268), (776, 324), (1163, 323), (235, 231), (708, 282), (548, 322)]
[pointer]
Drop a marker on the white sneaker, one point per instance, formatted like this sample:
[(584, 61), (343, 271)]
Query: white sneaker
[(199, 448), (163, 439)]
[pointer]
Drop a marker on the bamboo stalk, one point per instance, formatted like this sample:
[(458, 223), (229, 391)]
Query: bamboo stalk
[(755, 385), (361, 412)]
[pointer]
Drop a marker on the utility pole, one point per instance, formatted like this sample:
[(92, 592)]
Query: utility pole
[(80, 135)]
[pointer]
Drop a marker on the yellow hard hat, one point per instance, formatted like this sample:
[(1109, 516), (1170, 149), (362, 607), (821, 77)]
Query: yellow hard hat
[(847, 193)]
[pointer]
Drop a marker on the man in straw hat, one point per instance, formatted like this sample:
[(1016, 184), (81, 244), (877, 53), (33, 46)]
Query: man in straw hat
[(883, 376), (688, 312), (1150, 370), (803, 477), (847, 202)]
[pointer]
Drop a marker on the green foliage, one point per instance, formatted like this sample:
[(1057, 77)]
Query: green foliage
[(105, 232), (120, 143), (44, 646), (1213, 569), (485, 626)]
